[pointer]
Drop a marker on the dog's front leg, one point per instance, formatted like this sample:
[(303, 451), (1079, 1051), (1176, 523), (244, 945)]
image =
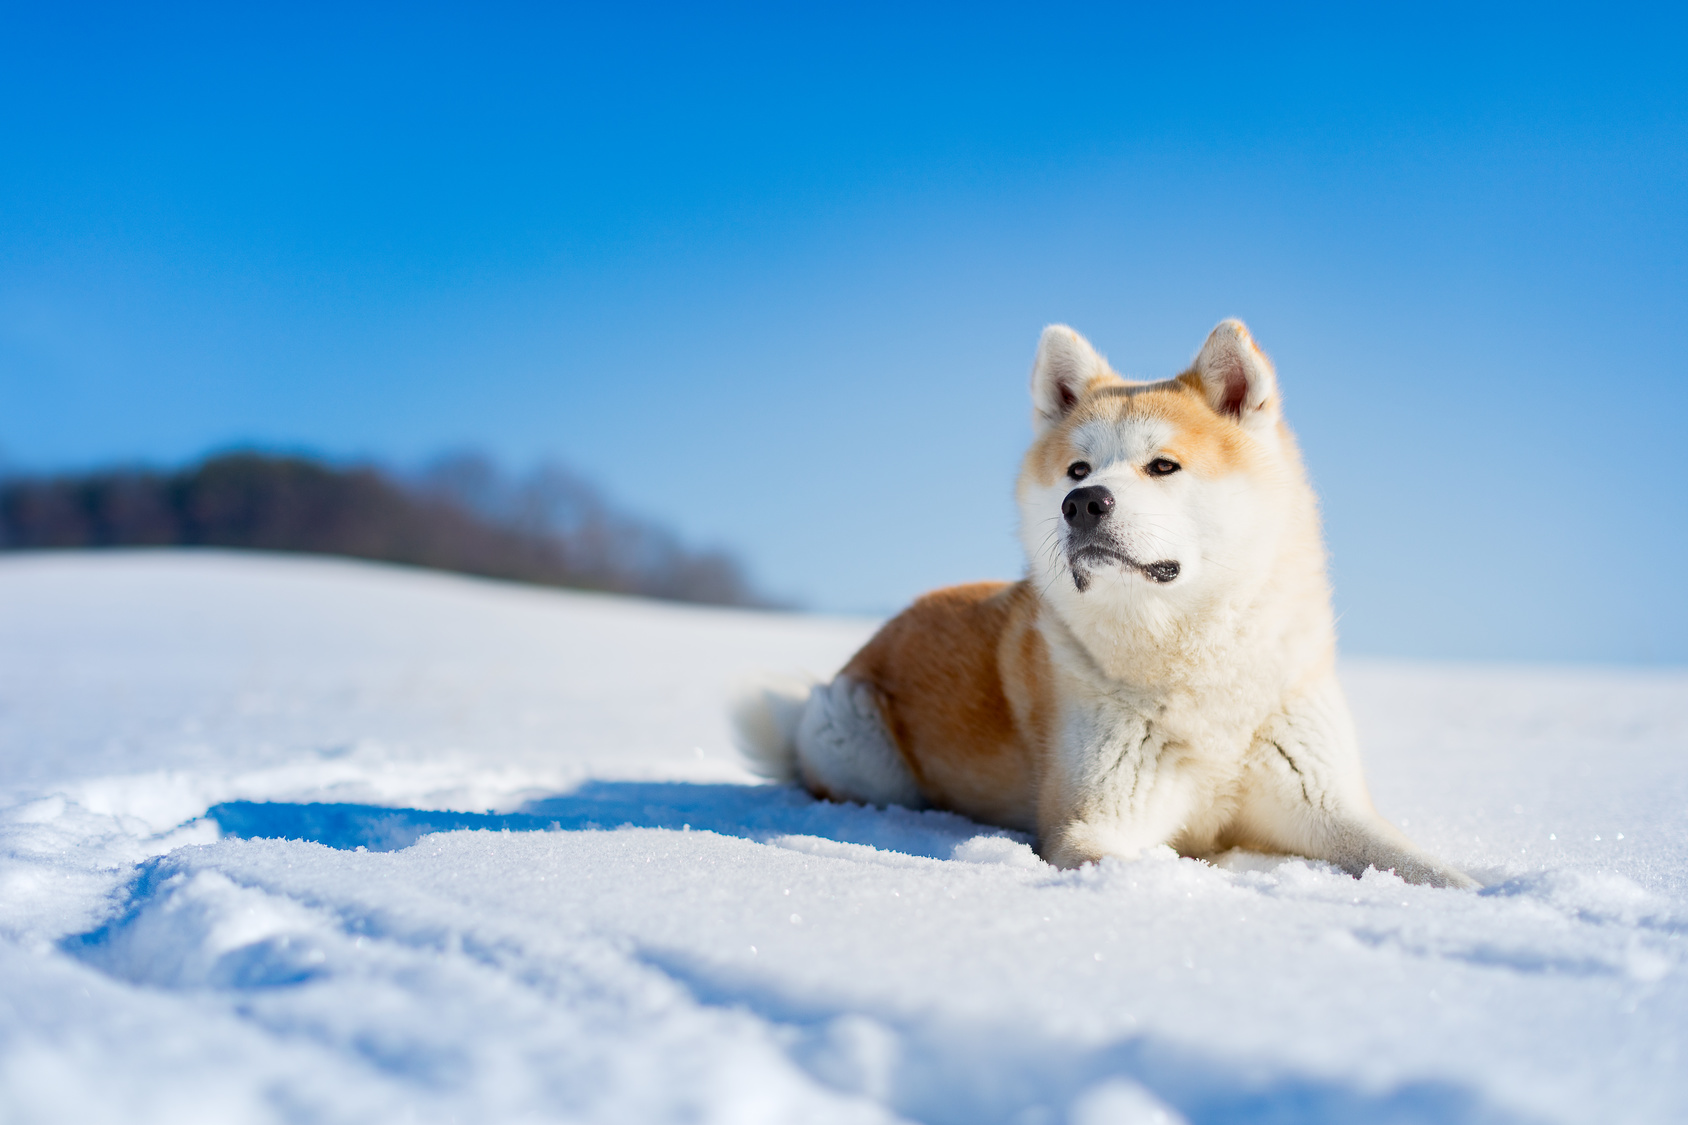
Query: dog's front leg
[(1304, 793), (1116, 791)]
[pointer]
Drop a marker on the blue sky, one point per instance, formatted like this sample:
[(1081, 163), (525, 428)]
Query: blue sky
[(775, 276)]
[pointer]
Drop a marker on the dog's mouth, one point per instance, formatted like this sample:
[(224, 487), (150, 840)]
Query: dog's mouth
[(1080, 561)]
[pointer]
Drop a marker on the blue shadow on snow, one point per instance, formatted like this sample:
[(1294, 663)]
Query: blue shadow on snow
[(750, 811)]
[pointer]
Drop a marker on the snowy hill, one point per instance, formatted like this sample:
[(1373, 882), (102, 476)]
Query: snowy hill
[(527, 879)]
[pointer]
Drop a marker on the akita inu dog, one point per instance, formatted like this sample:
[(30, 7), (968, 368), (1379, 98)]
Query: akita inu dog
[(1164, 674)]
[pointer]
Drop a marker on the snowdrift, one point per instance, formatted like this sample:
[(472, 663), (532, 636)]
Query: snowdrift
[(300, 840)]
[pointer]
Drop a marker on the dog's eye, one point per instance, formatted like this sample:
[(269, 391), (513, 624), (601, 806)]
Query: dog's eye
[(1078, 470), (1161, 467)]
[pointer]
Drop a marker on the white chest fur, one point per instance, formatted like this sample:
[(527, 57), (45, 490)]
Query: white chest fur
[(1161, 759)]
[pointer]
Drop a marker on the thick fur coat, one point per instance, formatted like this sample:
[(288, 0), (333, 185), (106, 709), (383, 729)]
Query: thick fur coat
[(1164, 674)]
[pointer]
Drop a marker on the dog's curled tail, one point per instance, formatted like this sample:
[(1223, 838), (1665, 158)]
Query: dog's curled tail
[(765, 713)]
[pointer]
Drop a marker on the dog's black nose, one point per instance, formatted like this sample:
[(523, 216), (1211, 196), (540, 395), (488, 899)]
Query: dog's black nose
[(1087, 507)]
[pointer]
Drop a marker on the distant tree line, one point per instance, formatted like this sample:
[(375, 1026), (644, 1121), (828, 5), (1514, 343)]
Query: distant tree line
[(460, 514)]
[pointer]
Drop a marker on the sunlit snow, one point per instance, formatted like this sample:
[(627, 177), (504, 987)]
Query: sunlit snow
[(300, 840)]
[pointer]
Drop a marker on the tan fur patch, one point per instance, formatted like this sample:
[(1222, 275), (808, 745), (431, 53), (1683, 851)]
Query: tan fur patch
[(964, 687)]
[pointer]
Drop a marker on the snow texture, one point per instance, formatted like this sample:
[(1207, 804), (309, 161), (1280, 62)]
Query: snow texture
[(289, 840)]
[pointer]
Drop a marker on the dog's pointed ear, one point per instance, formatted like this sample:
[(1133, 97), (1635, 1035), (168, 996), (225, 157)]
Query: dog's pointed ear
[(1237, 377), (1064, 367)]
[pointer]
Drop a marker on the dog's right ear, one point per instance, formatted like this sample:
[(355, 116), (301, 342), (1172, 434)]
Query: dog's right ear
[(1065, 365)]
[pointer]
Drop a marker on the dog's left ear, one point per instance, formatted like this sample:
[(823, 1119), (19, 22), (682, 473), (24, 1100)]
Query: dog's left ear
[(1063, 369), (1237, 377)]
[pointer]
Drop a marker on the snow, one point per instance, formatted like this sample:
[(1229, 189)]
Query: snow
[(286, 839)]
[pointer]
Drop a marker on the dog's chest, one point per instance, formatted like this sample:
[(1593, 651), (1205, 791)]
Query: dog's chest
[(1185, 728), (1215, 730), (1196, 740)]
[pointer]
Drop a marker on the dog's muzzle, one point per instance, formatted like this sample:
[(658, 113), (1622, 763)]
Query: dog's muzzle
[(1087, 511)]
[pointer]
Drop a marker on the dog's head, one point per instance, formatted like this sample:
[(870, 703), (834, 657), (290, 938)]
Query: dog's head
[(1152, 499)]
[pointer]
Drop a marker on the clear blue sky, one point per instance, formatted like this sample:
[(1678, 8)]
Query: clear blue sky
[(775, 275)]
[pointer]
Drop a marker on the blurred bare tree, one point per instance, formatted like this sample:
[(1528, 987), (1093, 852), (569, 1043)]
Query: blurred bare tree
[(461, 513)]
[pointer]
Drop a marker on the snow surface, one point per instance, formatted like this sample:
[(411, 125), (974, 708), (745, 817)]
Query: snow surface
[(525, 878)]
